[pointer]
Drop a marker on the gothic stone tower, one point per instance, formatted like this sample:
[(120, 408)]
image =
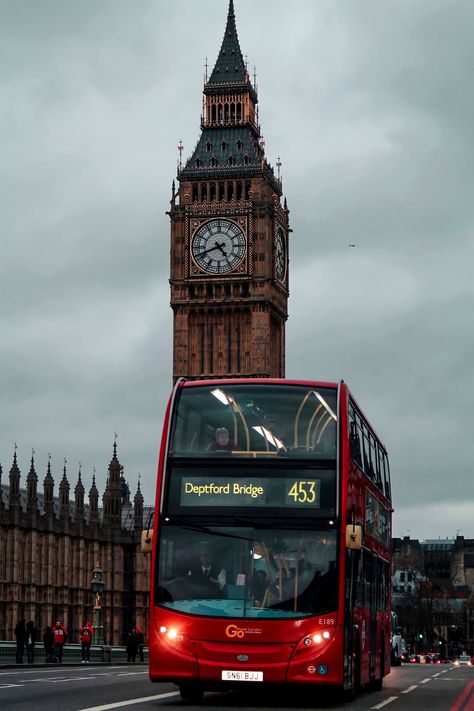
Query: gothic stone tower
[(229, 237)]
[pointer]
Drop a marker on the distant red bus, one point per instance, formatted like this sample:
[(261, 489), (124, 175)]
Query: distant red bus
[(271, 548)]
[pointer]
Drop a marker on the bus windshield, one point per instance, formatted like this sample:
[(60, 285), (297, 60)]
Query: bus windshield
[(246, 572), (255, 420)]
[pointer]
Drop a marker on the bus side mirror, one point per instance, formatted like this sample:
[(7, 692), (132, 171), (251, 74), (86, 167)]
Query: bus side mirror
[(146, 541), (353, 536)]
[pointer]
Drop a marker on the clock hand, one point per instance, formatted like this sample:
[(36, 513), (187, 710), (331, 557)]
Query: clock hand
[(210, 249)]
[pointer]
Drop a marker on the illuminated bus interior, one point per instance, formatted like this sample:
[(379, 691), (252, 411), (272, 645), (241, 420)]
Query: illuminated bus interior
[(260, 420)]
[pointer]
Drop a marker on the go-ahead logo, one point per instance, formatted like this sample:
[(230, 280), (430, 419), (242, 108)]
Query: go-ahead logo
[(233, 631)]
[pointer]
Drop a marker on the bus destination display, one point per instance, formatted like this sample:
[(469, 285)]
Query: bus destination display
[(258, 492)]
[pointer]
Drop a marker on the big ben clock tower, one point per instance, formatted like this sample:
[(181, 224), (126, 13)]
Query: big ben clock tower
[(229, 237)]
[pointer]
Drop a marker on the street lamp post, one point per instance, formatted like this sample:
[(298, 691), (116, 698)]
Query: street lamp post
[(97, 586)]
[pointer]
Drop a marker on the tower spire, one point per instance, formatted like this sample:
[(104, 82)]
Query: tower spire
[(230, 66)]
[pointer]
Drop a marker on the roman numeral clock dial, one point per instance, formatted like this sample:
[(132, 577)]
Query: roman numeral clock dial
[(218, 246), (280, 255)]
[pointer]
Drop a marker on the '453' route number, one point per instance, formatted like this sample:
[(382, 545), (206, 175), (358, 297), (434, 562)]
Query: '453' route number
[(303, 492)]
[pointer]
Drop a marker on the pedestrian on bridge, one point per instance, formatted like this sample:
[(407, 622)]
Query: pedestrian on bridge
[(60, 638), (132, 645), (20, 636), (48, 644), (87, 633), (31, 635)]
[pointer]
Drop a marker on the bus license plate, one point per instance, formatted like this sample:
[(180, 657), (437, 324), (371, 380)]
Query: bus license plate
[(229, 675)]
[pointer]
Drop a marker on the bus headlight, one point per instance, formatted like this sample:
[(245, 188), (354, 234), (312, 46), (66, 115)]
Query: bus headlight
[(315, 642), (171, 633)]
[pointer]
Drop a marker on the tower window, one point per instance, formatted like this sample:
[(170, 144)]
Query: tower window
[(208, 146), (239, 145), (223, 145), (231, 161), (198, 163), (246, 160), (213, 162)]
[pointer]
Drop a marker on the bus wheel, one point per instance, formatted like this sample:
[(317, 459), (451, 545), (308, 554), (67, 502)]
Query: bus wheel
[(377, 684), (191, 693)]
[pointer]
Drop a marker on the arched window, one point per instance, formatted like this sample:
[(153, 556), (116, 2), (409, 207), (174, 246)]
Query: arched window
[(198, 163), (232, 112), (213, 162), (239, 145), (239, 190), (219, 112), (231, 161), (213, 113), (203, 192), (246, 160), (248, 187), (208, 146), (221, 191), (195, 193), (223, 145), (239, 111), (230, 191), (212, 192), (226, 112)]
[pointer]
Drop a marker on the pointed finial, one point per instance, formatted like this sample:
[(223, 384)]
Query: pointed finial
[(115, 444), (180, 149), (278, 164), (255, 78), (80, 471), (206, 66)]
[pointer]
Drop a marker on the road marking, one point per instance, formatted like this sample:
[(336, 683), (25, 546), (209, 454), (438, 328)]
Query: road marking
[(462, 698), (384, 703), (141, 700), (130, 673), (49, 670), (437, 674), (74, 678), (9, 686), (410, 688), (425, 681)]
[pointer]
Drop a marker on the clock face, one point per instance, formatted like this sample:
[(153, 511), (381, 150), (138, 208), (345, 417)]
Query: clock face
[(280, 255), (218, 246)]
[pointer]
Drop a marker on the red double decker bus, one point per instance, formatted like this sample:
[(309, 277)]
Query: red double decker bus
[(271, 548)]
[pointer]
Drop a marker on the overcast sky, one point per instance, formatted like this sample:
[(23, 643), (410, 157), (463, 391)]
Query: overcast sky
[(370, 106)]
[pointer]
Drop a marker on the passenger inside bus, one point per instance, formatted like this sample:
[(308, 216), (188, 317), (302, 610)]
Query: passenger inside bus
[(222, 441)]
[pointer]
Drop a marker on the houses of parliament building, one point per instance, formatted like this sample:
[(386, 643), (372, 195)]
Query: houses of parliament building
[(51, 545)]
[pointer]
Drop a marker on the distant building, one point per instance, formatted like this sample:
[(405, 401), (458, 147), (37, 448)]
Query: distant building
[(50, 545), (433, 591)]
